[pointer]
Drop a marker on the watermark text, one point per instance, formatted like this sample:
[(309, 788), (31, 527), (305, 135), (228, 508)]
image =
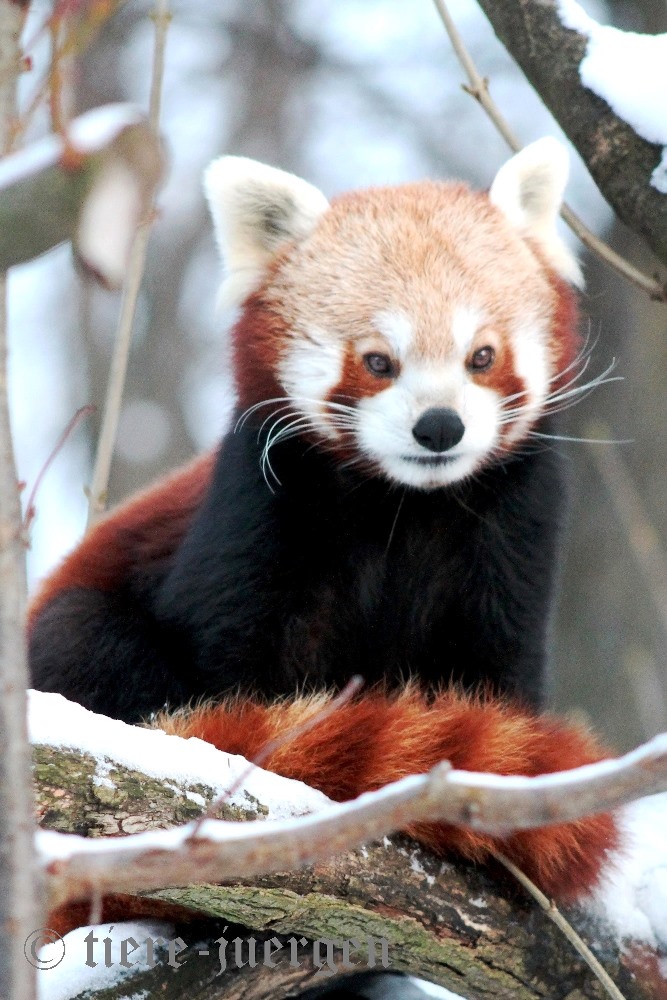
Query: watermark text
[(328, 956)]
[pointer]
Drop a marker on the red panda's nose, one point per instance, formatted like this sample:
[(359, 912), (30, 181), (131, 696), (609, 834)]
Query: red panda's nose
[(438, 429)]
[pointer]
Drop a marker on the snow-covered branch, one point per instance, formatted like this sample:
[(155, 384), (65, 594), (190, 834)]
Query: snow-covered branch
[(577, 68), (99, 776), (478, 87), (81, 869)]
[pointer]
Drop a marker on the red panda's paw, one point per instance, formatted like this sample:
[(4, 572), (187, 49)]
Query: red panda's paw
[(382, 737)]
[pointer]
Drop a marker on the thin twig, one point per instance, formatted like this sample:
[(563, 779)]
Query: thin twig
[(30, 509), (79, 32), (563, 925), (479, 89), (112, 405), (58, 116), (351, 688)]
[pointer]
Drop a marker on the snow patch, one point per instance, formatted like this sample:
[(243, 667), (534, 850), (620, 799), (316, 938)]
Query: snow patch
[(101, 777), (659, 175), (633, 896), (72, 976), (196, 798), (629, 72), (417, 866), (54, 721), (433, 990)]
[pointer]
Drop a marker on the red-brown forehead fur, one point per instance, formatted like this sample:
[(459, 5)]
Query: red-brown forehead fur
[(424, 249)]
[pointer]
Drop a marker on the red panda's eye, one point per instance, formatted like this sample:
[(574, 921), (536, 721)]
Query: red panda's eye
[(380, 365), (482, 359)]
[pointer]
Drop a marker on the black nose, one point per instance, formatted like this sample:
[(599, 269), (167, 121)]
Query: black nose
[(438, 429)]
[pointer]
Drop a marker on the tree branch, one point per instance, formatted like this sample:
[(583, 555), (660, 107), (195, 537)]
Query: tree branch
[(458, 926), (565, 927), (20, 911), (620, 161), (479, 89), (97, 497), (90, 188), (80, 869)]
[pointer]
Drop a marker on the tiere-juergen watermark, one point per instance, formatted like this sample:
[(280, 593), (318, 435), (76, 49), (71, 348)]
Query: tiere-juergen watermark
[(328, 956)]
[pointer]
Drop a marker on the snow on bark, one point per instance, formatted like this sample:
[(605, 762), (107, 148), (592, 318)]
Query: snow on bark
[(629, 71), (55, 721)]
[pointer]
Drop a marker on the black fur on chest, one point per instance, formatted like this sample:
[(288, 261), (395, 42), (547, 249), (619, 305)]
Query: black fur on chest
[(324, 574), (318, 576)]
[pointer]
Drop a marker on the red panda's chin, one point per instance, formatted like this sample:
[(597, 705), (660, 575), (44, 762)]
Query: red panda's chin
[(430, 472)]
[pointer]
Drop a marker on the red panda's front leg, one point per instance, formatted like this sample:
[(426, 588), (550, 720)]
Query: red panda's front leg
[(91, 634), (105, 651), (166, 624), (224, 592)]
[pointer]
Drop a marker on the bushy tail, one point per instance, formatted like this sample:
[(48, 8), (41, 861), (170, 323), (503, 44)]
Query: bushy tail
[(381, 737)]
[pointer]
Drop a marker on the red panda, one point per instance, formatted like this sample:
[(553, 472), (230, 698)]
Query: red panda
[(386, 503)]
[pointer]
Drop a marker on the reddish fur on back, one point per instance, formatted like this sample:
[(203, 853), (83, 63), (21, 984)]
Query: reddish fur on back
[(143, 531), (381, 737)]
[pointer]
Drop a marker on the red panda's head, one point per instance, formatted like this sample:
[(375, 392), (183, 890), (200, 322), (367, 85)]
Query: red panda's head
[(419, 331)]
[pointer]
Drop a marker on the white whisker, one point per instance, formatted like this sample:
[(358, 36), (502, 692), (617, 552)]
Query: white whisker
[(257, 406), (565, 396), (566, 437)]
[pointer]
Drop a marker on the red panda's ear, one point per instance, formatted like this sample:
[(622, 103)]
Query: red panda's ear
[(256, 209), (528, 190)]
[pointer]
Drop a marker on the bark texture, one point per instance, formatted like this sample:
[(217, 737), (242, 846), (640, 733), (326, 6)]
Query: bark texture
[(620, 161), (470, 930)]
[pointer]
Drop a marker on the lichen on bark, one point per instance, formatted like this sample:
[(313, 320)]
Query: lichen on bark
[(76, 795)]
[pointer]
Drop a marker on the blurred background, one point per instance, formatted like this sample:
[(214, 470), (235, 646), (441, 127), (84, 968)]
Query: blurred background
[(346, 93)]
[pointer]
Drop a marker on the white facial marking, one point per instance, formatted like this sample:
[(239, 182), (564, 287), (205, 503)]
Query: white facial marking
[(382, 424), (433, 385), (309, 370), (531, 365), (465, 324), (385, 433), (396, 327)]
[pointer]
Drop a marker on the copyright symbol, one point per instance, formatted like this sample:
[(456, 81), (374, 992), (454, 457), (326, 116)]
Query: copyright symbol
[(40, 938)]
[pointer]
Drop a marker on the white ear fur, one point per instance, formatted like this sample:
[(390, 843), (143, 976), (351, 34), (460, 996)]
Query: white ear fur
[(255, 210), (528, 190)]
